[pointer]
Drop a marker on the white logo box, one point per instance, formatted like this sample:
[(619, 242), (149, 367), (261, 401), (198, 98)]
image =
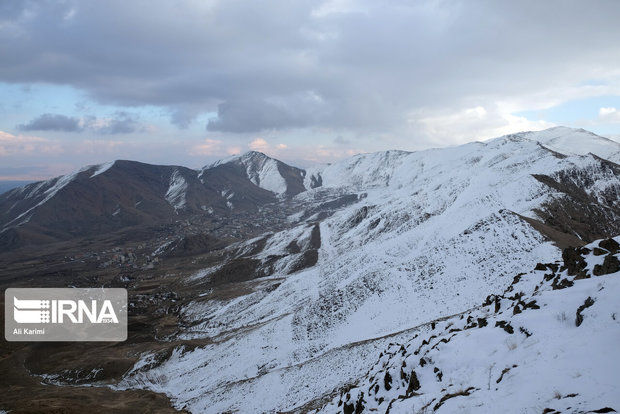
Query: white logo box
[(65, 314)]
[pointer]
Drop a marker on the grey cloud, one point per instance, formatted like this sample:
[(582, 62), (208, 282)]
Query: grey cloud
[(52, 122), (122, 123), (119, 123), (254, 64), (339, 140), (249, 116), (183, 115), (301, 110)]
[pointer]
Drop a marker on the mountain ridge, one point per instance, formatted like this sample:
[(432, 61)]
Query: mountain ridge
[(243, 182), (425, 235), (245, 299)]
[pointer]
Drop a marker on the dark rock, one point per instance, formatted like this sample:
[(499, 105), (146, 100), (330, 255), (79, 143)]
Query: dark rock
[(573, 260), (308, 259), (540, 266), (438, 373), (505, 326), (579, 319), (315, 237), (561, 283), (517, 278), (446, 397), (293, 247), (611, 264), (387, 381), (582, 275), (504, 372), (414, 383), (487, 302), (599, 252), (610, 245)]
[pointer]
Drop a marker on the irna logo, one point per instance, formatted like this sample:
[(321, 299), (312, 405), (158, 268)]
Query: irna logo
[(63, 314), (60, 311)]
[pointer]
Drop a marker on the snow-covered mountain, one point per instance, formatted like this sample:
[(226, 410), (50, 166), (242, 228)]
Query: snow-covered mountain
[(380, 244), (576, 141), (376, 169)]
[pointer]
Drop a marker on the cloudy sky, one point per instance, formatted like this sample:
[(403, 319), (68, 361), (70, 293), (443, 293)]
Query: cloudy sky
[(189, 81)]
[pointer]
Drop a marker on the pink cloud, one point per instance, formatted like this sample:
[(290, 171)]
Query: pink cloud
[(11, 145), (208, 147), (259, 144)]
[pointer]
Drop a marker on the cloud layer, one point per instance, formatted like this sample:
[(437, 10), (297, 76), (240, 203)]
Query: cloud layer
[(351, 66), (121, 123)]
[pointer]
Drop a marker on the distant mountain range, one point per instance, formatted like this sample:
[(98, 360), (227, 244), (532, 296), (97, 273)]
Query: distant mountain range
[(121, 194)]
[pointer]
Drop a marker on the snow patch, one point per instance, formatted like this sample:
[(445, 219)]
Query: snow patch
[(177, 191), (102, 168)]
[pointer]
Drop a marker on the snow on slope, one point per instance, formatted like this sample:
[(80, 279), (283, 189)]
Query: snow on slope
[(42, 192), (177, 191), (46, 190), (101, 168), (576, 141), (261, 170), (548, 343), (265, 174), (377, 169), (435, 232), (360, 171)]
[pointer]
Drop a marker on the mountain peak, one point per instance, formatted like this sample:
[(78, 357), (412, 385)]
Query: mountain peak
[(254, 154), (245, 157), (576, 141), (266, 172), (568, 141)]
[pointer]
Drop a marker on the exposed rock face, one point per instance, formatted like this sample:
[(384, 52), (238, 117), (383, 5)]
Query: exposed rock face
[(576, 208)]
